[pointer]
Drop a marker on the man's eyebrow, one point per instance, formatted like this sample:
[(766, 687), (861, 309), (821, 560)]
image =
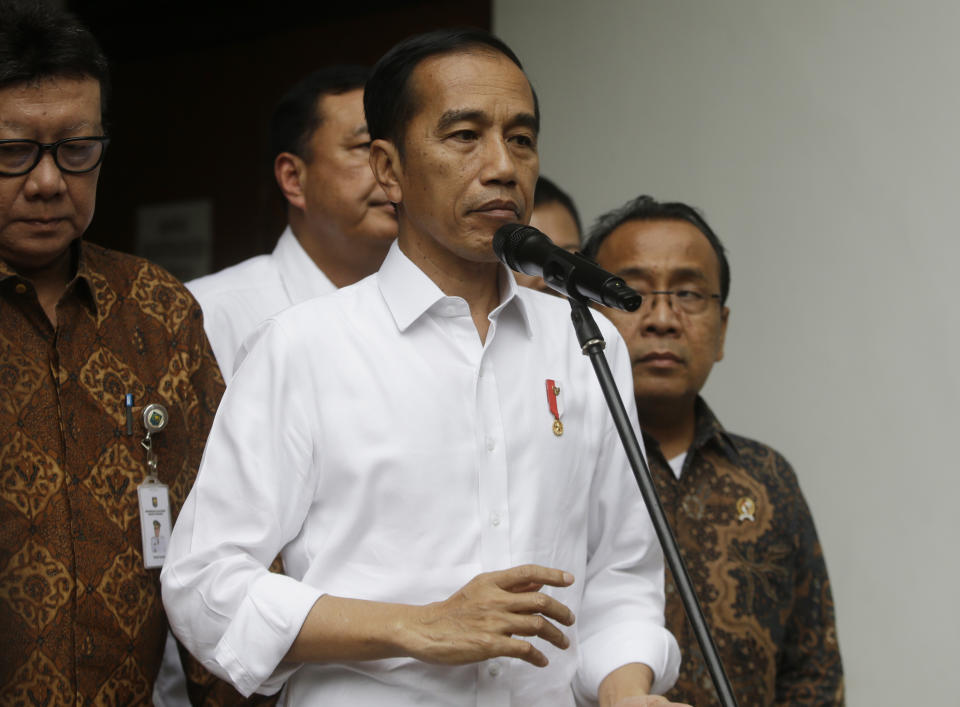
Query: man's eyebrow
[(457, 115), (632, 271), (688, 274), (360, 130), (469, 115), (678, 274), (527, 120)]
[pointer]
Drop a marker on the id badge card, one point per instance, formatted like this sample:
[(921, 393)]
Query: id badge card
[(155, 525)]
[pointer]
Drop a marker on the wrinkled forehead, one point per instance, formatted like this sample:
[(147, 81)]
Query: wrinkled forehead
[(62, 97), (662, 245)]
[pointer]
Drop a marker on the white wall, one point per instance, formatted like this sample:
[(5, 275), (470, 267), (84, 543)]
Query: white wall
[(821, 140)]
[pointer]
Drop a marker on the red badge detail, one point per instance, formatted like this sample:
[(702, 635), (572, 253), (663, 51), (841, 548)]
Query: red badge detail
[(556, 408)]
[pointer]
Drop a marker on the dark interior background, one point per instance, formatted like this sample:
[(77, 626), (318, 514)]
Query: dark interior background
[(193, 90)]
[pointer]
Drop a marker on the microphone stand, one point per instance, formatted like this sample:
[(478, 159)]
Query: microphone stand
[(592, 345)]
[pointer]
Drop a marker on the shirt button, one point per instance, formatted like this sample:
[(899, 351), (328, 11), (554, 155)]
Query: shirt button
[(20, 288), (491, 444), (494, 670), (495, 519)]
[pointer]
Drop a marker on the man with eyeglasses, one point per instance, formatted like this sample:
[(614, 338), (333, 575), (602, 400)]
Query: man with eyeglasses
[(734, 504), (88, 338)]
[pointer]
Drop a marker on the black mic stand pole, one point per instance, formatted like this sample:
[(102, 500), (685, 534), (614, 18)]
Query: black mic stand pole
[(592, 345)]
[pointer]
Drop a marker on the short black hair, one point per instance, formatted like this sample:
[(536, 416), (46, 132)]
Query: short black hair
[(390, 104), (39, 42), (547, 192), (646, 208), (298, 114)]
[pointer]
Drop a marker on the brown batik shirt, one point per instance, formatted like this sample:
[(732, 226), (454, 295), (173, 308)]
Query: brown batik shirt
[(81, 619), (752, 553)]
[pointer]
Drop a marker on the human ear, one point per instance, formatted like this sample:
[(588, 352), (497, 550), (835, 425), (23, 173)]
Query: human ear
[(289, 171), (724, 316), (386, 166)]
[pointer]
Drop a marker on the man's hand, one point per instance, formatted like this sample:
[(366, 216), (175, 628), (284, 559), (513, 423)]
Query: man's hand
[(478, 621), (628, 685)]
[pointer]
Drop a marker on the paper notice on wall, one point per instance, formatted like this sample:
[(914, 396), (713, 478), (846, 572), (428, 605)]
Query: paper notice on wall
[(177, 235)]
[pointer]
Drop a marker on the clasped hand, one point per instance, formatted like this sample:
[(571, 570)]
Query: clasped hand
[(480, 620)]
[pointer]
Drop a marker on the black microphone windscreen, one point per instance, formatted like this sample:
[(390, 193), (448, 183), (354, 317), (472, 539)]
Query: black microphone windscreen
[(508, 238)]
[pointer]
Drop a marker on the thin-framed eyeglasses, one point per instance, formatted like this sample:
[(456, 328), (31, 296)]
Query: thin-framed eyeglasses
[(73, 155), (680, 301)]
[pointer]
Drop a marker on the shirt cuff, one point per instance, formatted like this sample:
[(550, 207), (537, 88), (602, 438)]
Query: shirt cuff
[(646, 643), (262, 631)]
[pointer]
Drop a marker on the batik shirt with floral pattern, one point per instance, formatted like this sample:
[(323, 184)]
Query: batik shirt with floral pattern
[(752, 553), (81, 619)]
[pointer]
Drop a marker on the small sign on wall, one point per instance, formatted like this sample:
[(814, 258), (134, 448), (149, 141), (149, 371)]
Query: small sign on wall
[(177, 235)]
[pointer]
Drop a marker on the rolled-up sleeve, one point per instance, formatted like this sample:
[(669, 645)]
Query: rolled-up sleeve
[(621, 619), (252, 493)]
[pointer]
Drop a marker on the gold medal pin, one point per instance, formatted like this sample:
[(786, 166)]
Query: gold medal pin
[(746, 509)]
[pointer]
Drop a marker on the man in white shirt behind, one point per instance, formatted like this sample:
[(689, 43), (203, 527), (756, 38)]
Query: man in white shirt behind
[(340, 221), (445, 541)]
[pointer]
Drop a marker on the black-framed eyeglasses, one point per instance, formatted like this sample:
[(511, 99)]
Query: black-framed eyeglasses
[(685, 301), (73, 155)]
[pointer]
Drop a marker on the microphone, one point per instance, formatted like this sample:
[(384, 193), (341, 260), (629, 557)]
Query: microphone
[(527, 250)]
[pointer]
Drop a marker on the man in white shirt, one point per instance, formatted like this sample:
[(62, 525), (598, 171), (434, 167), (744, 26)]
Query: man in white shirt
[(429, 451), (340, 222)]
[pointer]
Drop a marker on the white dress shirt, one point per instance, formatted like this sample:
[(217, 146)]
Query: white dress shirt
[(234, 300), (391, 456), (238, 298)]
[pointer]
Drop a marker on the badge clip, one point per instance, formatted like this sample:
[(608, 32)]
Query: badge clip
[(153, 495)]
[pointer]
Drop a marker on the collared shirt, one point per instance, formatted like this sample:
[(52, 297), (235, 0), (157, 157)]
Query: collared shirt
[(238, 298), (81, 619), (752, 553), (392, 456)]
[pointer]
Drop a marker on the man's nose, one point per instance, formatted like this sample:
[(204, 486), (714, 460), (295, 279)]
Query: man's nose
[(658, 313), (45, 181), (499, 162)]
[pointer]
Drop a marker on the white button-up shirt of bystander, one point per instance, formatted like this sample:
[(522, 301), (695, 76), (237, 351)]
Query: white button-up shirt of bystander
[(390, 455), (236, 299)]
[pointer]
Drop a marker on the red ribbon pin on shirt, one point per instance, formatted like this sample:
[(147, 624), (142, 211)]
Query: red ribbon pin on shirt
[(556, 407)]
